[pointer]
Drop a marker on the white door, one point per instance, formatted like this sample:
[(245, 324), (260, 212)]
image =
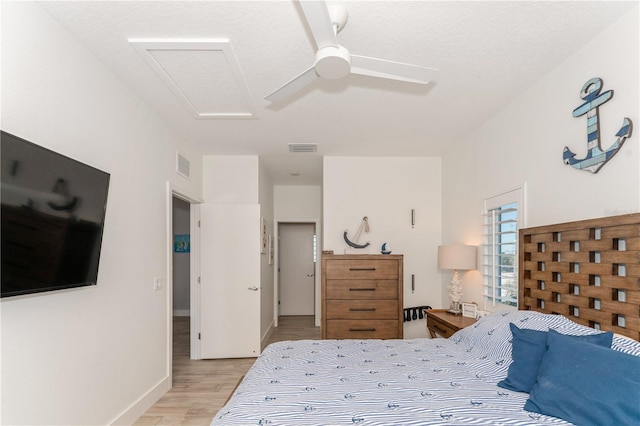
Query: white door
[(297, 268), (229, 280)]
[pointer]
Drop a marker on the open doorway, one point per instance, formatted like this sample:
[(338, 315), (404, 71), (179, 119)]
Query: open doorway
[(181, 276), (181, 258)]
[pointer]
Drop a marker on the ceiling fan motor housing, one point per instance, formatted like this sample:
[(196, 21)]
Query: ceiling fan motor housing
[(338, 14), (333, 62)]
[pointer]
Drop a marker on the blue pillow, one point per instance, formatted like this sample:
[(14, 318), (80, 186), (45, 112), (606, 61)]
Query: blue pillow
[(586, 384), (528, 348)]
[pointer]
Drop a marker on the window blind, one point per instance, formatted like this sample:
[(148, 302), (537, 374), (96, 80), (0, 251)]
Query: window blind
[(500, 255)]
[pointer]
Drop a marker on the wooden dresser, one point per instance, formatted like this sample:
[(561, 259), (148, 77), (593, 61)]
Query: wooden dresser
[(362, 297)]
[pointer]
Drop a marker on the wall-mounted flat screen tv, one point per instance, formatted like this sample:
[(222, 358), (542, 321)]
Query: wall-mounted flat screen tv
[(53, 212)]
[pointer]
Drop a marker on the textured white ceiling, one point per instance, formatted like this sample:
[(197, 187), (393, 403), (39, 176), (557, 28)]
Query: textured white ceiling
[(203, 73), (487, 54)]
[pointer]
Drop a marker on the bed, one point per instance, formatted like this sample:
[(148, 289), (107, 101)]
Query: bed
[(554, 361)]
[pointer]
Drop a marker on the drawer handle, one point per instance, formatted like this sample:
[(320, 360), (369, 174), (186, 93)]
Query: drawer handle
[(362, 309), (363, 289), (362, 329), (362, 269), (439, 329)]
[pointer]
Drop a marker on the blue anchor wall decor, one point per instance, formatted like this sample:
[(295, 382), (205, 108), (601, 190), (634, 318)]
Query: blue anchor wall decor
[(596, 157)]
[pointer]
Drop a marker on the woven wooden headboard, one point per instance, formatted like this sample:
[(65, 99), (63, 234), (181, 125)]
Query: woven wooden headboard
[(587, 270)]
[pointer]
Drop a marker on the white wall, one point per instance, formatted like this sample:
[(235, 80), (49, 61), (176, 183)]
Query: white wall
[(523, 144), (300, 204), (386, 189), (96, 354), (297, 202), (267, 288), (230, 179)]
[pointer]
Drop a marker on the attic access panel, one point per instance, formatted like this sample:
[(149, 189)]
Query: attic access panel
[(204, 74)]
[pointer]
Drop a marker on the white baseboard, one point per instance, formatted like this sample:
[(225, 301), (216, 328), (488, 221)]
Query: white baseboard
[(181, 313), (138, 408)]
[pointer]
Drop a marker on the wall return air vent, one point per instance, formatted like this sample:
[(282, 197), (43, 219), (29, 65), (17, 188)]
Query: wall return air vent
[(303, 147), (183, 166)]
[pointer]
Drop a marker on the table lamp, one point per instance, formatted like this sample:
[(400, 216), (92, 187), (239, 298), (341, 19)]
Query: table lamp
[(458, 258)]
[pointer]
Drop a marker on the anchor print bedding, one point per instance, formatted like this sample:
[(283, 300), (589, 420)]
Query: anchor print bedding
[(396, 382)]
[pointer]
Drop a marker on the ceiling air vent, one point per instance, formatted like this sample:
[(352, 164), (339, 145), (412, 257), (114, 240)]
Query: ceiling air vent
[(303, 147)]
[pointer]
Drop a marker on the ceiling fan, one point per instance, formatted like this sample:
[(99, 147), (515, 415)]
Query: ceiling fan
[(334, 61)]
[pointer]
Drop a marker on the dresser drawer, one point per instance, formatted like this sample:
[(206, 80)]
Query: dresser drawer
[(362, 329), (362, 309), (344, 269), (362, 289)]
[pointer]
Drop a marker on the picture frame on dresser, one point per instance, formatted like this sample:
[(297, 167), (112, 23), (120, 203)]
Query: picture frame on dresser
[(469, 310)]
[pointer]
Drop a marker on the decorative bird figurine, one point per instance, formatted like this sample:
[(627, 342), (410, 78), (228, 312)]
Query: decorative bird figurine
[(384, 249)]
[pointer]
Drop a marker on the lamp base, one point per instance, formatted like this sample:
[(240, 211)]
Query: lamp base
[(455, 308)]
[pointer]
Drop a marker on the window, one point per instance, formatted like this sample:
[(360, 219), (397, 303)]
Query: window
[(502, 218)]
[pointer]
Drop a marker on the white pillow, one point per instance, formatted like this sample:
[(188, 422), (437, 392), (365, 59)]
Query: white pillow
[(491, 335), (625, 344)]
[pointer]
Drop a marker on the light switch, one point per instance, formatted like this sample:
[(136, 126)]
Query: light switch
[(157, 283)]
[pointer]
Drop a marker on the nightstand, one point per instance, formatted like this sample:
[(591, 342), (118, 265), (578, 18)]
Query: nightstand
[(443, 323)]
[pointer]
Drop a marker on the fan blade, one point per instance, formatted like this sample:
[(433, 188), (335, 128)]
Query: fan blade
[(299, 82), (319, 20), (392, 70)]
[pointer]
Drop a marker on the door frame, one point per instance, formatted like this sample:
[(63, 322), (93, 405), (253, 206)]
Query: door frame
[(171, 192), (276, 260), (194, 287)]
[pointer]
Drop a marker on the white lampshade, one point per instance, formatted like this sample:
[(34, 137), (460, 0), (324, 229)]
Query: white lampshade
[(457, 257)]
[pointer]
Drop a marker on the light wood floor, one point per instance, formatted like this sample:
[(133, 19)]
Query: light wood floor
[(200, 388)]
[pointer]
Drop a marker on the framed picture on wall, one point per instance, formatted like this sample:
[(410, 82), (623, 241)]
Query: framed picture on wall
[(270, 248), (181, 243), (263, 230)]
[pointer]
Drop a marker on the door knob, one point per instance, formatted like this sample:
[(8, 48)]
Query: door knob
[(254, 288)]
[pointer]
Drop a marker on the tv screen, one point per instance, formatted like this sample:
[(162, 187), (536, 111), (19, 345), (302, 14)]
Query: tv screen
[(53, 210)]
